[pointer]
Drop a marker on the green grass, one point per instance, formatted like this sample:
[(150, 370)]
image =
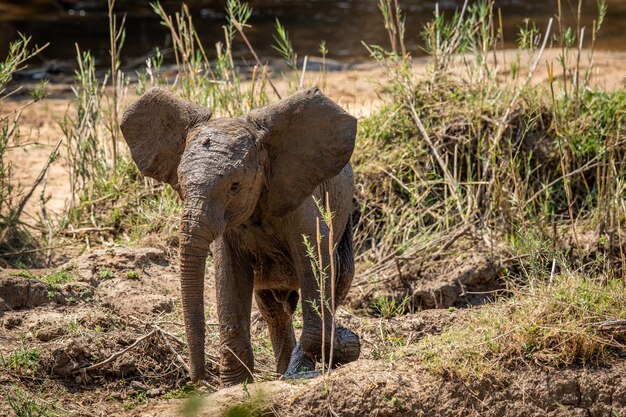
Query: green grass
[(387, 307), (185, 391), (54, 280), (25, 404), (60, 277), (105, 273), (21, 360), (135, 400), (546, 323)]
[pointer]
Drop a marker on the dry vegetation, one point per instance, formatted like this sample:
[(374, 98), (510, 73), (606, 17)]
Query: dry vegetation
[(476, 184)]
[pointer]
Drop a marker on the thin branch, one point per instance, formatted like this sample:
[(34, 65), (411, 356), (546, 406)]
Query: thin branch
[(450, 181), (256, 57), (240, 361), (611, 325), (116, 354)]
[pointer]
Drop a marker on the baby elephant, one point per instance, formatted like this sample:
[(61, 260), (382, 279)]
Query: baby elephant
[(248, 186)]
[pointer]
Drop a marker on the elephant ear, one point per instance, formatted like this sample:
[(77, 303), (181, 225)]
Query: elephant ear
[(309, 139), (155, 128)]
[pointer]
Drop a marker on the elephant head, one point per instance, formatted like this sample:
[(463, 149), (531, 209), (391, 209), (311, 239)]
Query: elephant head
[(265, 163)]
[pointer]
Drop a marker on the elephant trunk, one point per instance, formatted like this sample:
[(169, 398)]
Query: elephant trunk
[(196, 234)]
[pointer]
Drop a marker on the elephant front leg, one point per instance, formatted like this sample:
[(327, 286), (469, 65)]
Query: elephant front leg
[(279, 323), (317, 327), (234, 284)]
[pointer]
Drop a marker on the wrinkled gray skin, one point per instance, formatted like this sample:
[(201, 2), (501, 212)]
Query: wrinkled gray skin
[(248, 187)]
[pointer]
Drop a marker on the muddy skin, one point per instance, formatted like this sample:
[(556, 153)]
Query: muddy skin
[(249, 186)]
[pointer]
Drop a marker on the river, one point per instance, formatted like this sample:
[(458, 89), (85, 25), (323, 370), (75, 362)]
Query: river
[(341, 24)]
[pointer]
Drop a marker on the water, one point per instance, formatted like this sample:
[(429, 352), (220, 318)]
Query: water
[(342, 24)]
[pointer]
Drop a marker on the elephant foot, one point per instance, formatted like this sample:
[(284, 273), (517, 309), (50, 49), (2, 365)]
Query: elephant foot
[(300, 364), (347, 347)]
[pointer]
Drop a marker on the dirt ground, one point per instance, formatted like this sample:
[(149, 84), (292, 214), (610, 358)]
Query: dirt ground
[(125, 300), (115, 297)]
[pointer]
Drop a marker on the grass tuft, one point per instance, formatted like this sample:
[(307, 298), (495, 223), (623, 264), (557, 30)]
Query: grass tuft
[(23, 404), (24, 359), (564, 322)]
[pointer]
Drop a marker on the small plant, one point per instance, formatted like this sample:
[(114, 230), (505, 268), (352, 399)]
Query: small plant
[(24, 359), (388, 307), (388, 344), (283, 46), (105, 273), (135, 400), (24, 274), (185, 391), (62, 276), (15, 238), (134, 275)]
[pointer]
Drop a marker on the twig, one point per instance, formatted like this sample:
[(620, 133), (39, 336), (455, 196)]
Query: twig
[(169, 347), (504, 121), (46, 219), (22, 252), (531, 72), (450, 181), (611, 325), (178, 357), (162, 335), (306, 58), (88, 230), (256, 57), (116, 354), (331, 255), (589, 165), (240, 361), (179, 342), (322, 285)]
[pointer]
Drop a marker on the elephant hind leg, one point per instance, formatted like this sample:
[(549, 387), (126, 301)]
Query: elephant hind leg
[(347, 344), (275, 309), (344, 260)]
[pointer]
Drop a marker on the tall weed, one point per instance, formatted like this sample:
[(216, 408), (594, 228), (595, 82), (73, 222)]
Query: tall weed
[(16, 242), (469, 144)]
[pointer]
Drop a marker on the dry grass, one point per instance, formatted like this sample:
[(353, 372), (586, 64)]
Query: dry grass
[(549, 323)]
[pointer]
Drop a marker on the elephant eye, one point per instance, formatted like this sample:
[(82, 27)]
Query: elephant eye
[(234, 189)]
